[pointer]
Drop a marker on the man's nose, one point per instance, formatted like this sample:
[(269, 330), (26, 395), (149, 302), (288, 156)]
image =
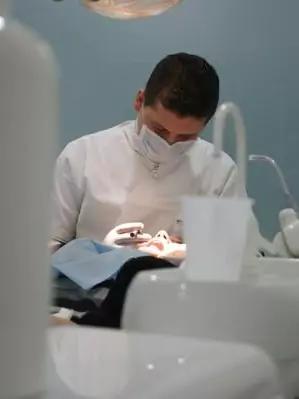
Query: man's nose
[(171, 138)]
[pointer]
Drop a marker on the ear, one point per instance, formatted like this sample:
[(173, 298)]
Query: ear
[(139, 100)]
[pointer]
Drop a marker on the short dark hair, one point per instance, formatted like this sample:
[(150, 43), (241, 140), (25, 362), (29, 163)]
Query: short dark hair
[(185, 84)]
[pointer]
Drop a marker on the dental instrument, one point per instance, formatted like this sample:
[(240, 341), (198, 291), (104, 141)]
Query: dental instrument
[(286, 242), (224, 111), (284, 185)]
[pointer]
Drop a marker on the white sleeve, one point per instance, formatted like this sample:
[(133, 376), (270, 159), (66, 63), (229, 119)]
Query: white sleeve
[(67, 195)]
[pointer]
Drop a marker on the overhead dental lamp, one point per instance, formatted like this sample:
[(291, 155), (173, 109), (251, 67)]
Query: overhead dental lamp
[(130, 9)]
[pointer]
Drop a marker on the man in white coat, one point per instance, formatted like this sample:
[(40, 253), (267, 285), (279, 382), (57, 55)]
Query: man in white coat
[(138, 171)]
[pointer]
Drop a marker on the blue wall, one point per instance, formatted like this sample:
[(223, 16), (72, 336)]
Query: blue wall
[(253, 44)]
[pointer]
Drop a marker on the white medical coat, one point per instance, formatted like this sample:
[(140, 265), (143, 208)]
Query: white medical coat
[(102, 180)]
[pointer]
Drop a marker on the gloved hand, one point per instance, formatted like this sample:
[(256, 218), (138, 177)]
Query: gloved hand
[(157, 244), (127, 234), (174, 250), (162, 246)]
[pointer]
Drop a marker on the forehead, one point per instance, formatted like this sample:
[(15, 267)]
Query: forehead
[(161, 117)]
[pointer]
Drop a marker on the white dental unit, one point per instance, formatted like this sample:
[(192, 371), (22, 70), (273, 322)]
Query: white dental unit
[(261, 309), (93, 363), (283, 253)]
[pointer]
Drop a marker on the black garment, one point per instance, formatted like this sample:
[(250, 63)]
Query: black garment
[(110, 312), (67, 294)]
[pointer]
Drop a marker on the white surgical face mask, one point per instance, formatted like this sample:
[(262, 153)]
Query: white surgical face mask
[(156, 149)]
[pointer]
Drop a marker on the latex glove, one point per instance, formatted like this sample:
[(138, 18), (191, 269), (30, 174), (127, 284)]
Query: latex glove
[(162, 246), (127, 234), (156, 245), (174, 251)]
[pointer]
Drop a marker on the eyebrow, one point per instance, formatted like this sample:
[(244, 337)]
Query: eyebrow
[(160, 127)]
